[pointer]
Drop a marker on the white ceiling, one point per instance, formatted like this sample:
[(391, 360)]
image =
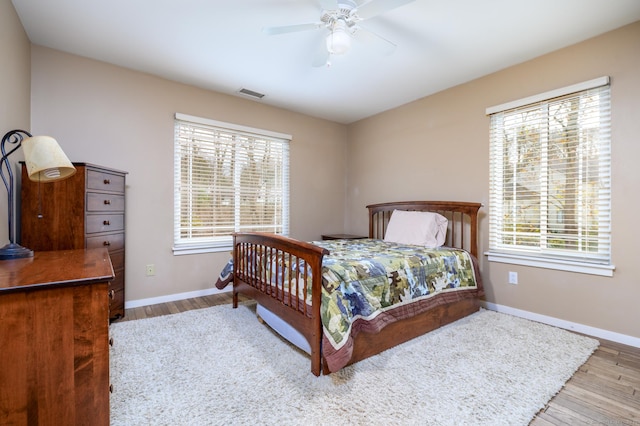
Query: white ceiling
[(219, 44)]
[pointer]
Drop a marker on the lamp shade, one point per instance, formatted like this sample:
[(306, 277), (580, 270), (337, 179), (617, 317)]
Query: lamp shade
[(45, 160)]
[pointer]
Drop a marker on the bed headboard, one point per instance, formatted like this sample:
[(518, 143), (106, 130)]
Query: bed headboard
[(462, 229)]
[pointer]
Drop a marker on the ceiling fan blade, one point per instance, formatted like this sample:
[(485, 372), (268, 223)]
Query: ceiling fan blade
[(378, 42), (376, 7), (329, 4), (292, 28)]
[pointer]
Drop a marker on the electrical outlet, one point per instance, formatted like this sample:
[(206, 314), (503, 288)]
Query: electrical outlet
[(151, 269), (513, 277)]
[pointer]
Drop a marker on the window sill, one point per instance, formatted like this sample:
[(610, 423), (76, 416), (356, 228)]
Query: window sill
[(561, 265), (179, 251)]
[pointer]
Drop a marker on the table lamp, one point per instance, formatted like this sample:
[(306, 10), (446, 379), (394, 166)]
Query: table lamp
[(45, 161)]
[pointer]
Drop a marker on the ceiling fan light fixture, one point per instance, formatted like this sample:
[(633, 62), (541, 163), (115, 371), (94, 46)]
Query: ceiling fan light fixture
[(338, 40)]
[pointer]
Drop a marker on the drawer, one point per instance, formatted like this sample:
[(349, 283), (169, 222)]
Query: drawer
[(117, 284), (116, 304), (117, 260), (104, 181), (98, 202), (112, 242), (104, 223), (116, 297)]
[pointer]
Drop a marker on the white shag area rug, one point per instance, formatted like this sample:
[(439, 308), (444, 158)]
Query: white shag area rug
[(220, 366)]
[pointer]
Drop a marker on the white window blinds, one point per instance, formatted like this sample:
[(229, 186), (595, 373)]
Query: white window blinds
[(228, 178), (550, 182)]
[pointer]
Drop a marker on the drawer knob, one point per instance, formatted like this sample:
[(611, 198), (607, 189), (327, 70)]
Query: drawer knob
[(106, 243), (107, 181), (110, 388), (111, 341), (112, 294), (107, 201), (106, 223)]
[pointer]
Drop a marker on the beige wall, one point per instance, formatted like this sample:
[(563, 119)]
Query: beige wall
[(123, 119), (402, 154), (14, 91)]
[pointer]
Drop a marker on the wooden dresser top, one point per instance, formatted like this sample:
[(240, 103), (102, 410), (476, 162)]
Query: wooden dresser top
[(56, 268)]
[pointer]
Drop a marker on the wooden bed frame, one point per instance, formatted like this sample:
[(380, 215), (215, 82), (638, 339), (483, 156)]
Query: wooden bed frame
[(303, 313)]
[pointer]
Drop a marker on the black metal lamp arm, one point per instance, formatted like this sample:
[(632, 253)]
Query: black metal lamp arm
[(13, 137)]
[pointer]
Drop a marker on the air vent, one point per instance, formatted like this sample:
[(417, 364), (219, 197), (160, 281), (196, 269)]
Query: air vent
[(251, 93)]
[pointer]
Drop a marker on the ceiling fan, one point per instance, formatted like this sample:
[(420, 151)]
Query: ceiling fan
[(342, 18)]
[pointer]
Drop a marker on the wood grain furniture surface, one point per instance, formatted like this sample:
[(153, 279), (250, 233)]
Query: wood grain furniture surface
[(54, 338), (86, 210), (250, 280)]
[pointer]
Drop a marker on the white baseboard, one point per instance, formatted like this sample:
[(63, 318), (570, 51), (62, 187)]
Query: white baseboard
[(567, 325), (171, 298)]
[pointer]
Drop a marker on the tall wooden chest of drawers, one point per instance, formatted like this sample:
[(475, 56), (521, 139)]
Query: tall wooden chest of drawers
[(84, 211)]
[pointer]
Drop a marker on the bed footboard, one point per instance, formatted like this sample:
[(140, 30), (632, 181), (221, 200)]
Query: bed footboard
[(285, 276)]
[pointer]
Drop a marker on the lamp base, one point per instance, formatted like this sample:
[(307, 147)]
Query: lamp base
[(14, 251)]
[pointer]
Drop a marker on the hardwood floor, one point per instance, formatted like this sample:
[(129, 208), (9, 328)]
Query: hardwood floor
[(604, 391)]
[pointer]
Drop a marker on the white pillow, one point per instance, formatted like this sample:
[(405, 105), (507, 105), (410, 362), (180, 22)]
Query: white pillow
[(419, 228)]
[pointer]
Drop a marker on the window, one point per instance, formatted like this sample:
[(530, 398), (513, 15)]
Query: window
[(550, 180), (228, 178)]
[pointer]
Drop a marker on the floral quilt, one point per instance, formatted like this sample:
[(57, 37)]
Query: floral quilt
[(366, 280)]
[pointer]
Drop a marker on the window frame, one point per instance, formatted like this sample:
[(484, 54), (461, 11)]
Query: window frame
[(182, 246), (543, 258)]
